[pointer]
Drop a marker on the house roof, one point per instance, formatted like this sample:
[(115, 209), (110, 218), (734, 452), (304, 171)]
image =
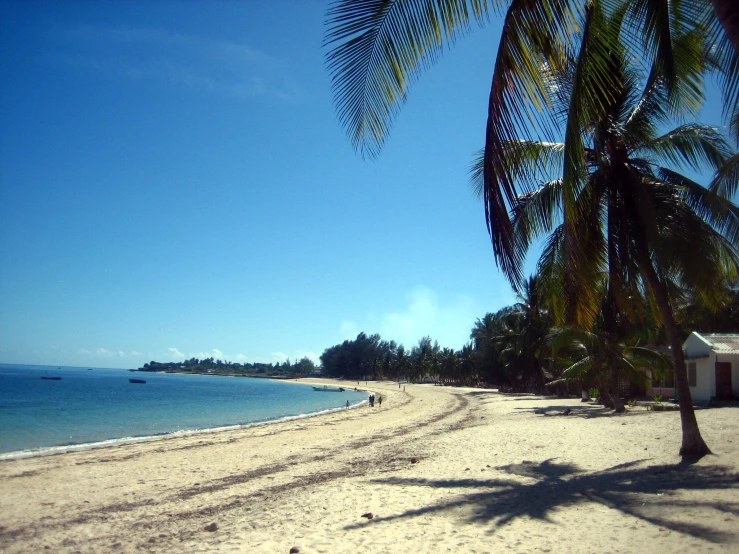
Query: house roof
[(723, 343)]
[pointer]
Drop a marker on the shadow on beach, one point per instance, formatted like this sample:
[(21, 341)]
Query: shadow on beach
[(646, 493), (586, 412)]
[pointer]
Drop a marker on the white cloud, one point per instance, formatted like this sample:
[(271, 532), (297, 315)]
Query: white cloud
[(448, 321), (104, 353), (215, 353), (228, 69), (349, 329), (279, 356), (177, 354)]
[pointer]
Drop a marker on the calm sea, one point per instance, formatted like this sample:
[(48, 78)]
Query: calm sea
[(89, 406)]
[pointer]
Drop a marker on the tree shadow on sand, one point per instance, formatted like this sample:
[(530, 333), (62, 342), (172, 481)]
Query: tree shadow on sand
[(582, 411), (641, 492)]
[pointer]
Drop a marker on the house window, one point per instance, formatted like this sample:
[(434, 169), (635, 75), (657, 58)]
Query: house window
[(691, 374)]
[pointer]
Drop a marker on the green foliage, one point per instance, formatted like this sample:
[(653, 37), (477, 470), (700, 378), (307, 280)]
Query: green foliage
[(594, 393), (211, 366), (657, 399)]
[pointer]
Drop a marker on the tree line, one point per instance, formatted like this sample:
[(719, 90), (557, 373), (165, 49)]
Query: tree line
[(520, 348), (300, 368)]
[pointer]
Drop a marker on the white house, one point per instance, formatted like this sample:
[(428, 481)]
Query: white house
[(713, 366)]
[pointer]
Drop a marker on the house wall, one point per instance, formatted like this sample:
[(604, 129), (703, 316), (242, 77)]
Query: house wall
[(705, 382), (696, 346), (705, 388), (665, 392)]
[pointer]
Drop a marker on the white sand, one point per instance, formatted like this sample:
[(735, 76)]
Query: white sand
[(491, 476)]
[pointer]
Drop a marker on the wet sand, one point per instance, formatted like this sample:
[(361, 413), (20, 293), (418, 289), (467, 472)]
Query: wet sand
[(441, 470)]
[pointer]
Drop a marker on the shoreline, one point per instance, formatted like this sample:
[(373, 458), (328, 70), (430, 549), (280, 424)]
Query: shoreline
[(440, 469), (114, 442)]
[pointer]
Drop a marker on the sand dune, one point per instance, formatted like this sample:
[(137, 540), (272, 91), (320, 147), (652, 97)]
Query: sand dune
[(440, 469)]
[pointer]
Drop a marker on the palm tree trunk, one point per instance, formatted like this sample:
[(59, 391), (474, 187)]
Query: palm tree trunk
[(693, 444), (609, 309), (727, 12), (618, 403)]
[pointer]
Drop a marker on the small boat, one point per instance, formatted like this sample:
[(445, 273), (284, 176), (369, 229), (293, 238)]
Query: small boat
[(327, 389), (141, 381), (133, 370), (51, 378)]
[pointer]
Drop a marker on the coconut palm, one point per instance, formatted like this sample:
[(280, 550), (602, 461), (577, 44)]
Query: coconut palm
[(485, 336), (380, 46), (625, 211), (590, 355), (522, 345)]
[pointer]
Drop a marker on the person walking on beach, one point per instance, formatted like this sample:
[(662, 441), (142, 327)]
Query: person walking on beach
[(347, 403), (379, 400)]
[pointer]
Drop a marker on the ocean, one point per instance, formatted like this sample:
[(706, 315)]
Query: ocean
[(97, 407)]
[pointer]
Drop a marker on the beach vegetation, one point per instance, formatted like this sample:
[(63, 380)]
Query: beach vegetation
[(211, 366), (581, 95)]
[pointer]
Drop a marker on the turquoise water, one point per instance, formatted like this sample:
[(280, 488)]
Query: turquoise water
[(101, 406)]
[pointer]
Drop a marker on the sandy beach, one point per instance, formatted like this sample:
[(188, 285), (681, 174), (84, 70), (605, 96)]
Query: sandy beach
[(440, 469)]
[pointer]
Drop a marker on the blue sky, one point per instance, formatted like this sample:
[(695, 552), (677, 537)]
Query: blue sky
[(174, 183)]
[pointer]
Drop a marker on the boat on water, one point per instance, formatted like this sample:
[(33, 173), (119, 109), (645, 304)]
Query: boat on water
[(141, 381), (325, 388), (51, 378)]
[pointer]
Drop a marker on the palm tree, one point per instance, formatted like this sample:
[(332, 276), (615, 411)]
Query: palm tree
[(380, 46), (625, 212), (467, 366), (590, 355), (727, 14), (522, 346), (485, 337)]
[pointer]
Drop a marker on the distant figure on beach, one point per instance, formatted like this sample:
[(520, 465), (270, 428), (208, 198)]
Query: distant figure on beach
[(372, 400), (379, 400), (403, 388), (347, 403)]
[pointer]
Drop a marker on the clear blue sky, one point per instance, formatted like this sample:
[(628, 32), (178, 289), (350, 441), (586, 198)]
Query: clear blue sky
[(174, 183)]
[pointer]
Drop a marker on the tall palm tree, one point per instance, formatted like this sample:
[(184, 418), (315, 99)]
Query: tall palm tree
[(625, 212), (378, 47)]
